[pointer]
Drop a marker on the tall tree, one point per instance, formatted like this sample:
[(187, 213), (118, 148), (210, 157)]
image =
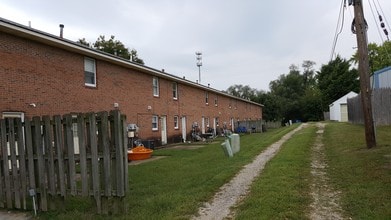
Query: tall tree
[(308, 73), (335, 79), (289, 89)]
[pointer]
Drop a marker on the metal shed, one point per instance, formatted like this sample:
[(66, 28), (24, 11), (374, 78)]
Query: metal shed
[(381, 78)]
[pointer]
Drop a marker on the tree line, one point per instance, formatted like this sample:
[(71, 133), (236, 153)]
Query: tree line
[(304, 94)]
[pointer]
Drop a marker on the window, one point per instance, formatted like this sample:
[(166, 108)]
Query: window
[(13, 115), (155, 119), (216, 100), (175, 90), (89, 72), (176, 122), (155, 85), (206, 97)]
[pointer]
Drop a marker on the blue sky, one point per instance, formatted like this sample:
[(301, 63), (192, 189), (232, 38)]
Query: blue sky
[(248, 42)]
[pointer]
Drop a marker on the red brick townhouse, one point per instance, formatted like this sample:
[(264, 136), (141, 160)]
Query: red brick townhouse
[(42, 74)]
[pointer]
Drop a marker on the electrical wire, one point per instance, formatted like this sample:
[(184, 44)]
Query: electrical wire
[(374, 18), (384, 15), (381, 25), (339, 28)]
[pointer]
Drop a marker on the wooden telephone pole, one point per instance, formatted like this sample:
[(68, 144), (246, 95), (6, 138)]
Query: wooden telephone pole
[(363, 69)]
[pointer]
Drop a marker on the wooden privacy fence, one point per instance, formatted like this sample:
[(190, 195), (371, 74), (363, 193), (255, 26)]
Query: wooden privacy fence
[(381, 107), (55, 158)]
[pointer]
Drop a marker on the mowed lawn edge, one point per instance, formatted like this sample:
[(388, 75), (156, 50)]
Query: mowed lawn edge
[(363, 176), (282, 189)]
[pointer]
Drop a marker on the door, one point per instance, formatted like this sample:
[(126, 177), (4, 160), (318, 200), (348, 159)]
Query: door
[(344, 112), (203, 125), (215, 126), (184, 128), (163, 123)]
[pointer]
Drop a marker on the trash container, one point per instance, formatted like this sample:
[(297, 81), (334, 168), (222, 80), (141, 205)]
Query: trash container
[(149, 144), (227, 148), (235, 143)]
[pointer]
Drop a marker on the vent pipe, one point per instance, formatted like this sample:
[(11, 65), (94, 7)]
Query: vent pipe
[(61, 30)]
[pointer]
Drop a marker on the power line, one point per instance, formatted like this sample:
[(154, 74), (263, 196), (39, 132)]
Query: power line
[(339, 28), (384, 15), (374, 18), (381, 25)]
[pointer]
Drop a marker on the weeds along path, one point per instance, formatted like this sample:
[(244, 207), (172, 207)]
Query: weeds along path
[(325, 198), (232, 192)]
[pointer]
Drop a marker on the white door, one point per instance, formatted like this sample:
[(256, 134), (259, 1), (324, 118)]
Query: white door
[(215, 123), (184, 128), (344, 112), (163, 124), (203, 125)]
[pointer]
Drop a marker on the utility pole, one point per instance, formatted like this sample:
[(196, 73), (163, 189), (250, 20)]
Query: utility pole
[(363, 69)]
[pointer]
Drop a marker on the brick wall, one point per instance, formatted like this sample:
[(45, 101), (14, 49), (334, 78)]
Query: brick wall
[(53, 79)]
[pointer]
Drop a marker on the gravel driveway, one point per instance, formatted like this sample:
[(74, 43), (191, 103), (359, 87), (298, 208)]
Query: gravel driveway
[(232, 192)]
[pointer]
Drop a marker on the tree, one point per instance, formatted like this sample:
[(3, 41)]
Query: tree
[(84, 42), (335, 79), (244, 92), (114, 47), (134, 57), (379, 56), (308, 73)]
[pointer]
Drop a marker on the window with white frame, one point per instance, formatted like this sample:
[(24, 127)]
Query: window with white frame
[(13, 115), (155, 86), (155, 120), (206, 97), (175, 90), (176, 122), (89, 72)]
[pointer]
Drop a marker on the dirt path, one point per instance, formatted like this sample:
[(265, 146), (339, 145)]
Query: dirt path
[(232, 192), (325, 198)]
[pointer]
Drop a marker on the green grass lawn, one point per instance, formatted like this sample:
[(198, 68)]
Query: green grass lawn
[(362, 175), (175, 186), (282, 189)]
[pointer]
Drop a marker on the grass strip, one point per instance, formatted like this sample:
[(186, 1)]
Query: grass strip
[(282, 189), (362, 175), (174, 187)]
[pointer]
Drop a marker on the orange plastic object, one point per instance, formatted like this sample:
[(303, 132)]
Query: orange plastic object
[(139, 153)]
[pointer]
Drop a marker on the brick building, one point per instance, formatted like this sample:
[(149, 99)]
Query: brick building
[(42, 74)]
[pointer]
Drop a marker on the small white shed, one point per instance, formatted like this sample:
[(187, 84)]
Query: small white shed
[(339, 108)]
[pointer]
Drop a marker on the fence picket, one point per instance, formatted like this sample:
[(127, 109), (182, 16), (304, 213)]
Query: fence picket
[(83, 154), (6, 177), (118, 141), (15, 180), (49, 154), (94, 161), (104, 146), (40, 169), (30, 154), (70, 154), (22, 161), (39, 155), (2, 144)]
